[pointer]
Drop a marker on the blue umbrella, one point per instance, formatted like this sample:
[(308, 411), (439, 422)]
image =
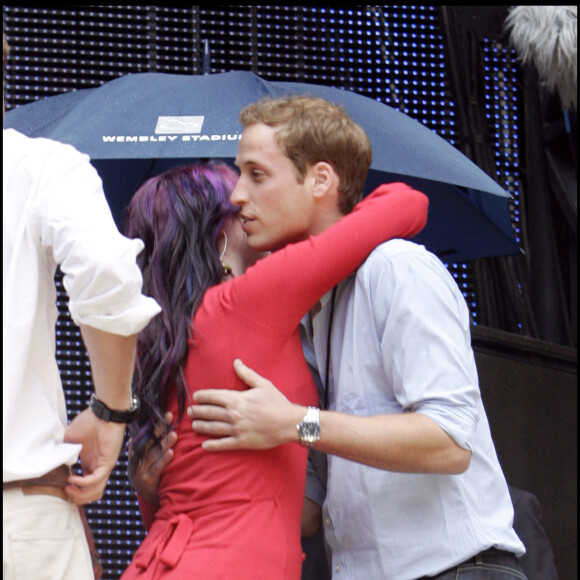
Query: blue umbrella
[(139, 125)]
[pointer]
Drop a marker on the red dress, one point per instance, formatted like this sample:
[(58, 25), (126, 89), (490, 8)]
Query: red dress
[(236, 515)]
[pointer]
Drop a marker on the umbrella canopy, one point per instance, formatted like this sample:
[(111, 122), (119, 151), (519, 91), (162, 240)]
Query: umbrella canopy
[(139, 125)]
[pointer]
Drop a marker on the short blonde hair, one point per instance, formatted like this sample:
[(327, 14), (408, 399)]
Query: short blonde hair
[(311, 130)]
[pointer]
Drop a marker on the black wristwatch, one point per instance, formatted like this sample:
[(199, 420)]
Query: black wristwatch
[(103, 412)]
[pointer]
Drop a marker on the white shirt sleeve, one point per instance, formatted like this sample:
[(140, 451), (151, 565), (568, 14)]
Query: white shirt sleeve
[(74, 222), (424, 335)]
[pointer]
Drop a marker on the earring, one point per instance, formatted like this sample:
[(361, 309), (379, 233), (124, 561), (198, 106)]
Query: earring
[(225, 246), (226, 268)]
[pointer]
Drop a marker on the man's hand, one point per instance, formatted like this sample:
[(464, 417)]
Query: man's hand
[(146, 478), (102, 444), (259, 418)]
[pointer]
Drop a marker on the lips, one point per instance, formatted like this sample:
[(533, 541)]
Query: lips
[(246, 222)]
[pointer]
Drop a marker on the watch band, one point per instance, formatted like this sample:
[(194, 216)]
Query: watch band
[(309, 428), (111, 415)]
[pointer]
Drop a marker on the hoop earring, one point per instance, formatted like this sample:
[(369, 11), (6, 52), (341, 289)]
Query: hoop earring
[(225, 246), (226, 268)]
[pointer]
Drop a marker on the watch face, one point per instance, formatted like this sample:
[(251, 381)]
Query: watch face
[(309, 428), (309, 432)]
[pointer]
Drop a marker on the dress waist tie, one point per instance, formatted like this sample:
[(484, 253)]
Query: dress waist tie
[(177, 531)]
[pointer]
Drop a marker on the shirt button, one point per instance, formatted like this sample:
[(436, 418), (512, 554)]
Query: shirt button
[(337, 568), (327, 521)]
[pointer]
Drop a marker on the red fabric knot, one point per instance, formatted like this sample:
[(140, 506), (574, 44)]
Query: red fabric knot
[(180, 530), (176, 533)]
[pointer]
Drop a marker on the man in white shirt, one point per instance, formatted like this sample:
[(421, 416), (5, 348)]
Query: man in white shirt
[(414, 486), (55, 213)]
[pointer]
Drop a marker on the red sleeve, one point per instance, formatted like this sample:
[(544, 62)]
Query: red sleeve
[(281, 288)]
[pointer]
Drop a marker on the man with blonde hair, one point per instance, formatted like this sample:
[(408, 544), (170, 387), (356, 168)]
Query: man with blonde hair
[(410, 453)]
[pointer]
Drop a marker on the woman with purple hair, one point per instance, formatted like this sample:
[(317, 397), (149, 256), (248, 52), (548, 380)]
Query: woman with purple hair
[(232, 514)]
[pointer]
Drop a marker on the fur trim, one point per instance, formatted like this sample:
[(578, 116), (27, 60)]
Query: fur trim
[(545, 36)]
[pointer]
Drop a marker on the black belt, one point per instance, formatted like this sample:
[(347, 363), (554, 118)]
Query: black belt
[(491, 556)]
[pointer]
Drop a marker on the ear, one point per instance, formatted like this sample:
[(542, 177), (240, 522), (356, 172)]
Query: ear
[(324, 178)]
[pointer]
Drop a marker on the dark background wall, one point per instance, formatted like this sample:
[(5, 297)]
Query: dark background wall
[(529, 389), (417, 59)]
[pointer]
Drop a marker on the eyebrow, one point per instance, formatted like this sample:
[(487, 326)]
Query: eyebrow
[(246, 163)]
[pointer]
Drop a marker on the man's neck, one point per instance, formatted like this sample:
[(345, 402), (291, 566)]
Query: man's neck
[(325, 219)]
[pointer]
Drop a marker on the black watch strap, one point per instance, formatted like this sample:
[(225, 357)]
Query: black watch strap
[(103, 412)]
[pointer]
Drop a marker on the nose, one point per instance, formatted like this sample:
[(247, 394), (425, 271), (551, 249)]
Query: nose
[(239, 195)]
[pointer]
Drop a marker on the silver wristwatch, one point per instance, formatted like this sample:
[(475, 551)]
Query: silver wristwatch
[(309, 428)]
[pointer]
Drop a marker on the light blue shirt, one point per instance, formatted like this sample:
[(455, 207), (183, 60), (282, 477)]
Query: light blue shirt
[(401, 343)]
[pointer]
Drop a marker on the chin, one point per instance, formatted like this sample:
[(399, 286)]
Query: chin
[(259, 247), (268, 245)]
